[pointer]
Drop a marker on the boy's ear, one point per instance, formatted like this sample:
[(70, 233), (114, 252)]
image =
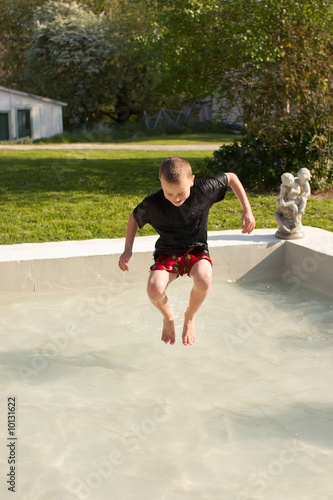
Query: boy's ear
[(192, 180)]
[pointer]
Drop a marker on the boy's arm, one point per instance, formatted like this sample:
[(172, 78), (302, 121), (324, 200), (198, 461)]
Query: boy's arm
[(132, 227), (248, 220)]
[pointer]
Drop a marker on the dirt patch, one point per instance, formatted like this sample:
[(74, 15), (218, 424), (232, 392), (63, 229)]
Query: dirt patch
[(323, 195)]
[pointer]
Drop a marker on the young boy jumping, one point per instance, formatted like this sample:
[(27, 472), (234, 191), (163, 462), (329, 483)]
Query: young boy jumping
[(179, 212)]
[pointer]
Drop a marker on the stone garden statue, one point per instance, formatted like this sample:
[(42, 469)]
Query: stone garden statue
[(294, 193)]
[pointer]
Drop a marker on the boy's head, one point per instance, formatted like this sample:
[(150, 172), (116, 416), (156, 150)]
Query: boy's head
[(175, 169), (176, 179)]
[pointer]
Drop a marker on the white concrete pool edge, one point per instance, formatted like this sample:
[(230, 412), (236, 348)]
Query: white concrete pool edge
[(32, 267)]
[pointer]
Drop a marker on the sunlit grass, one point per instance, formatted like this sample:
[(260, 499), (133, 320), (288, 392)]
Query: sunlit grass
[(139, 134), (211, 138), (52, 195)]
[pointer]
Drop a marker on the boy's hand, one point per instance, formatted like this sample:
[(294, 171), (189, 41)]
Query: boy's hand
[(248, 222), (124, 259)]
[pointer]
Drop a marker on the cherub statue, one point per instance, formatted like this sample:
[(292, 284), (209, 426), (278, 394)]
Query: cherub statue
[(294, 193), (302, 180)]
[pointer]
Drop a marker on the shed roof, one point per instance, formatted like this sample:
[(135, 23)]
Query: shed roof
[(27, 94)]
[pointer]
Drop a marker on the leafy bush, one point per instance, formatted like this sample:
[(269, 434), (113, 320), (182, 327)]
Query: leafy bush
[(260, 165)]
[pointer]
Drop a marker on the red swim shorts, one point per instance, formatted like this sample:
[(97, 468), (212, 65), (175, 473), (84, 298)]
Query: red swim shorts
[(180, 264)]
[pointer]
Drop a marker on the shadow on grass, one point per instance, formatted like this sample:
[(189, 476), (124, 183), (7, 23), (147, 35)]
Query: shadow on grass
[(124, 177)]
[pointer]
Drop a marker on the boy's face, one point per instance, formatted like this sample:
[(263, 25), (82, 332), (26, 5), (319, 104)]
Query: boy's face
[(178, 192)]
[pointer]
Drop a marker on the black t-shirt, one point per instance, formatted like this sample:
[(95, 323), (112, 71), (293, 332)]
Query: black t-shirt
[(181, 228)]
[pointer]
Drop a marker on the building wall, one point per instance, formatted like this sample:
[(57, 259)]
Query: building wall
[(46, 117), (216, 108), (231, 114)]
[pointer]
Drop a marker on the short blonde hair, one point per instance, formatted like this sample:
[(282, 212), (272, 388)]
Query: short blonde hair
[(174, 169)]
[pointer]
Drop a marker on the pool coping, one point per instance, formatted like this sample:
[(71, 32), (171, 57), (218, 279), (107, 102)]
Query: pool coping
[(33, 267)]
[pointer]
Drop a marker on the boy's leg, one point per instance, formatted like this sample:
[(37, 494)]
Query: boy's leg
[(201, 273), (157, 284)]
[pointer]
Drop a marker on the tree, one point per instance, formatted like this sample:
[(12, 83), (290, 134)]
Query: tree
[(274, 57), (135, 82), (16, 18), (286, 85), (187, 46), (94, 60), (72, 57)]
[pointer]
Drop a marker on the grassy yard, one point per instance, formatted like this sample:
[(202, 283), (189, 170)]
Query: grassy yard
[(193, 138), (50, 195), (142, 136)]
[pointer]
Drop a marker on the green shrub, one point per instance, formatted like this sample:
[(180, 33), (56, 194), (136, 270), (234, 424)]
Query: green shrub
[(260, 165)]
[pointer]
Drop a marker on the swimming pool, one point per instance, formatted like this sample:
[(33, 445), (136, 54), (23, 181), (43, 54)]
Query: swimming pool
[(104, 409)]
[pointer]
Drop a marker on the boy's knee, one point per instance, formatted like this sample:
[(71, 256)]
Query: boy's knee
[(203, 279), (155, 290), (205, 282)]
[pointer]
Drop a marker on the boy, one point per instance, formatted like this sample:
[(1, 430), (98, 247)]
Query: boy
[(178, 212)]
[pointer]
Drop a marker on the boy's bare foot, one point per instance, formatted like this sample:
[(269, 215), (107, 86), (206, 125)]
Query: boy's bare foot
[(168, 332), (188, 331)]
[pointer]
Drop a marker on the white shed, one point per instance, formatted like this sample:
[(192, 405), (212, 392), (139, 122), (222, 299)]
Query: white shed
[(28, 115)]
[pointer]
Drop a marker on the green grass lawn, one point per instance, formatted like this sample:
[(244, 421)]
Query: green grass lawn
[(50, 195), (211, 138), (140, 135)]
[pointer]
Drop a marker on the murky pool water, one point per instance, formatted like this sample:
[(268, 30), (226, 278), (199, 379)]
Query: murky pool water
[(105, 410)]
